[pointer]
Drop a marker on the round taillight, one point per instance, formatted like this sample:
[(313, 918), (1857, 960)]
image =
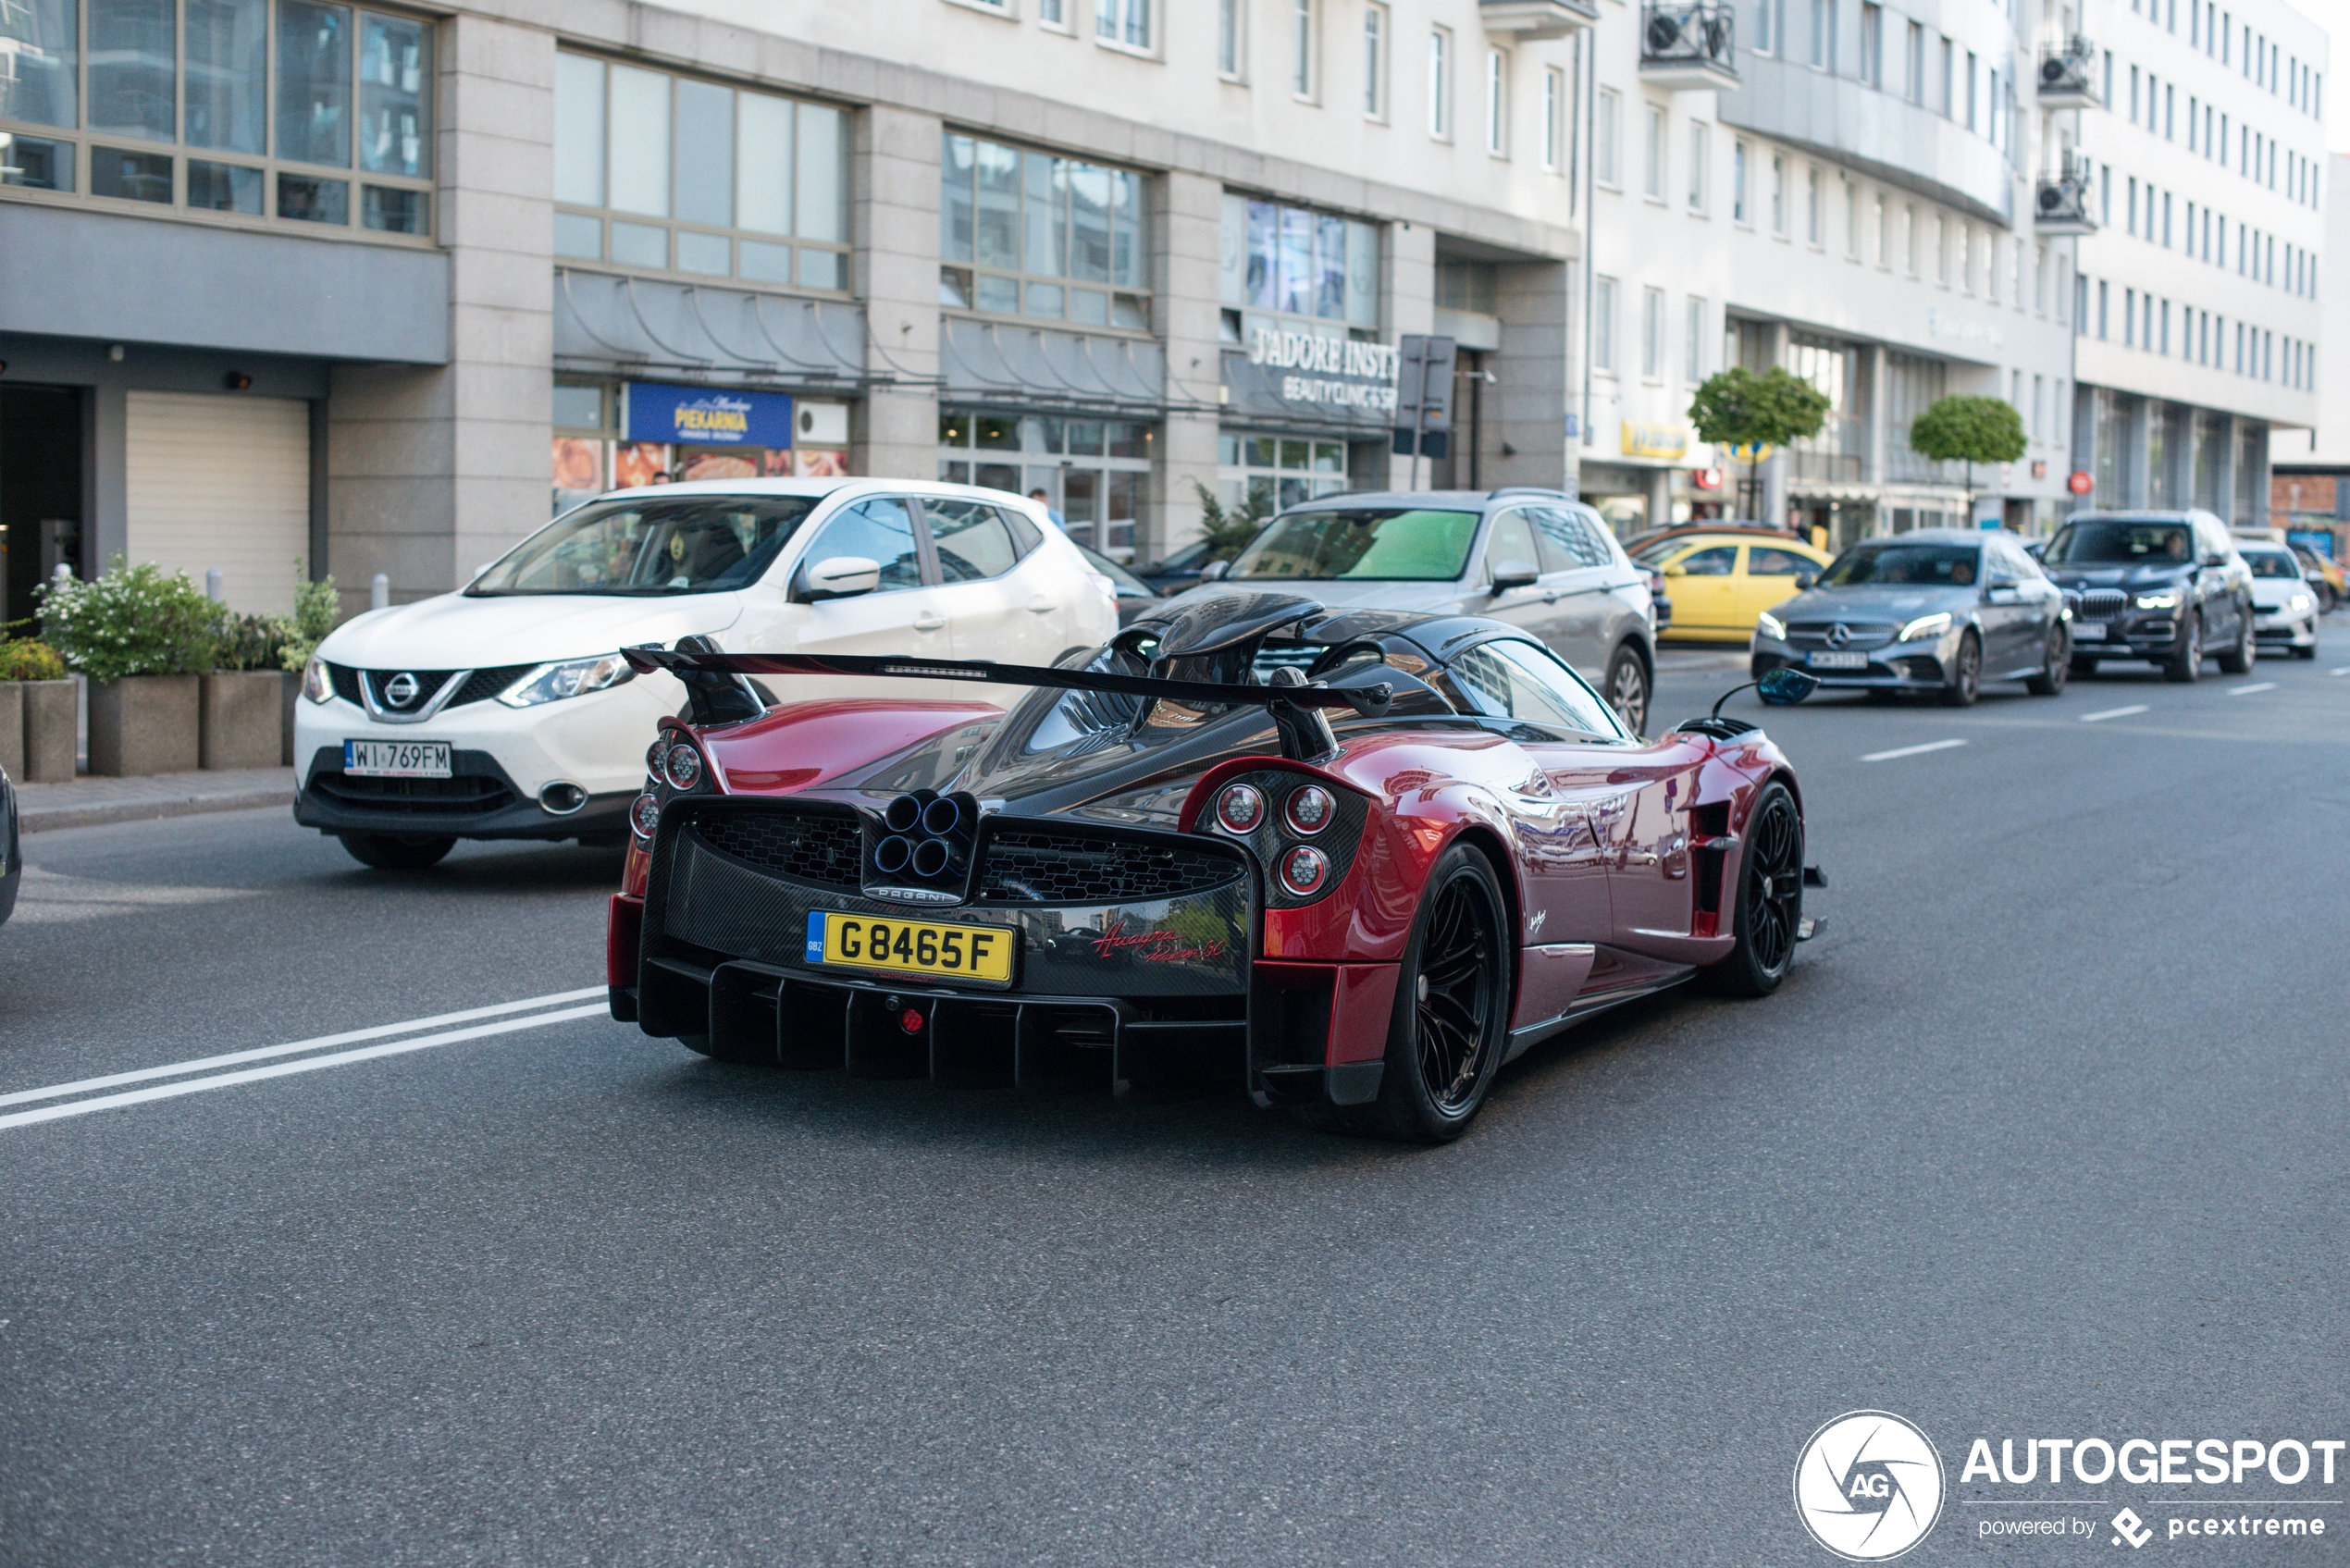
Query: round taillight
[(682, 766), (652, 756), (1303, 869), (645, 815), (1309, 810), (1240, 808)]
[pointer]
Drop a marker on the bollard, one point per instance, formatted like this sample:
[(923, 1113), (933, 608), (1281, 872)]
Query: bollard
[(379, 592), (64, 574), (213, 583)]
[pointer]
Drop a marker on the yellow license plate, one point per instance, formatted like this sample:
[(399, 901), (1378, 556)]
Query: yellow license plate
[(925, 947)]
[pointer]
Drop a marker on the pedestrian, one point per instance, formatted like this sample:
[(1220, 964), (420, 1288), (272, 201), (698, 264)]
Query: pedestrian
[(1044, 498)]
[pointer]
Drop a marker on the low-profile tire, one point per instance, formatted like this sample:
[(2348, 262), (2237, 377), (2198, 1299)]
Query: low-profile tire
[(1628, 687), (2056, 667), (2185, 667), (2084, 668), (1966, 672), (1768, 914), (1450, 1027), (2241, 659), (396, 852)]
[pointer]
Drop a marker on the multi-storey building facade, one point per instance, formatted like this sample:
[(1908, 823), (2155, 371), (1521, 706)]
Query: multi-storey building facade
[(353, 282), (1843, 189), (2199, 295)]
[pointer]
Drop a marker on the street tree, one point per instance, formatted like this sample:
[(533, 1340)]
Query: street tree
[(1737, 408), (1969, 430)]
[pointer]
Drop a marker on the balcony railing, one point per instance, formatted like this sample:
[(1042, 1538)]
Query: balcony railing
[(2068, 75), (1688, 46), (1528, 19), (2064, 202)]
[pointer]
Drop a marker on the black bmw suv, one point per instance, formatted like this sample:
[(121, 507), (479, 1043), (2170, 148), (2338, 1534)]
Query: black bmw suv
[(2165, 587)]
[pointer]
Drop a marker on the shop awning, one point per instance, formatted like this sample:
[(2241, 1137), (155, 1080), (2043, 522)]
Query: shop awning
[(1000, 362), (633, 324)]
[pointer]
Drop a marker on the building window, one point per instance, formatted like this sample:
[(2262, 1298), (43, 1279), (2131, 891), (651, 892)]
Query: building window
[(1700, 158), (1304, 77), (1293, 262), (1813, 219), (1738, 212), (1228, 39), (1652, 151), (1604, 324), (1439, 82), (1950, 80), (1553, 119), (1025, 233), (1872, 43), (1497, 113), (1125, 23), (1941, 250), (1910, 238), (1606, 111), (670, 174), (1694, 348), (1652, 334), (352, 89), (1276, 471), (1778, 194), (1770, 25), (1883, 231), (2104, 302), (1375, 61), (1851, 221), (1095, 472), (1915, 87)]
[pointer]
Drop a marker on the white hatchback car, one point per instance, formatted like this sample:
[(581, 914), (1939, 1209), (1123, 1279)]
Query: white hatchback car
[(504, 711)]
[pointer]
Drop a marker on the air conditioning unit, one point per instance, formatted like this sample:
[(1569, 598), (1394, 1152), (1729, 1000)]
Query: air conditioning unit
[(2061, 204), (2068, 75), (1688, 47)]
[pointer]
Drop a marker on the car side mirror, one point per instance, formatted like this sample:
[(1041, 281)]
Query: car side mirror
[(1677, 570), (1214, 571), (841, 576), (1508, 574), (1785, 687), (2215, 559), (1804, 581)]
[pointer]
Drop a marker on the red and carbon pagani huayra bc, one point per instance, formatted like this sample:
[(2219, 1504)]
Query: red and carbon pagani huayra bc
[(1352, 862)]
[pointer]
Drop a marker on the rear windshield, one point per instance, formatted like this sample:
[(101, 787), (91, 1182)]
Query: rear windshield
[(2273, 563), (651, 546), (2111, 542), (1947, 566), (1372, 544)]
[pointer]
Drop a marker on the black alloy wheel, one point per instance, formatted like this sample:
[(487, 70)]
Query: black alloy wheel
[(2055, 667), (1627, 688), (2240, 659), (1966, 672), (1450, 1026), (2187, 666), (1769, 912), (396, 852)]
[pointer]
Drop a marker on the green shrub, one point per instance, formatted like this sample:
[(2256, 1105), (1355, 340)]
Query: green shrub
[(25, 660), (248, 642), (316, 606), (133, 621)]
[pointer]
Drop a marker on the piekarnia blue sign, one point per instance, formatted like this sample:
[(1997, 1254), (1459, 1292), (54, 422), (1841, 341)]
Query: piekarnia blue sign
[(707, 416)]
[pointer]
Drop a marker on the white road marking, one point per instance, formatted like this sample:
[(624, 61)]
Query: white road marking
[(2113, 713), (2343, 671), (2248, 691), (50, 898), (262, 1052), (308, 1064), (1911, 750)]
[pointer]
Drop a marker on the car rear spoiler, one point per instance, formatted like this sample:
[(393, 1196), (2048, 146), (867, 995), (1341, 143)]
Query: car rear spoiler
[(715, 684)]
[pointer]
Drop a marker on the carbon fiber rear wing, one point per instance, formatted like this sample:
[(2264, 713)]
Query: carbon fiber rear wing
[(720, 694)]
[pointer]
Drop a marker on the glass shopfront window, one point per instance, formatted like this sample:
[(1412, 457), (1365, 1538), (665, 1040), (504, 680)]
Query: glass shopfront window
[(1095, 473), (169, 102), (674, 174), (1026, 233), (1269, 473), (1316, 269), (593, 453)]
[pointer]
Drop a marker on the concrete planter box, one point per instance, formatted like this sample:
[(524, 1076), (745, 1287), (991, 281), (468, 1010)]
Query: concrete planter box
[(241, 719), (12, 729), (50, 710), (289, 692), (145, 725)]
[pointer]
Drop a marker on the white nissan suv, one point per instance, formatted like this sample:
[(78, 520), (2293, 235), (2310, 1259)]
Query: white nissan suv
[(505, 711)]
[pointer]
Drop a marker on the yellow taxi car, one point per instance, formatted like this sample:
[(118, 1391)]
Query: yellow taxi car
[(1719, 583)]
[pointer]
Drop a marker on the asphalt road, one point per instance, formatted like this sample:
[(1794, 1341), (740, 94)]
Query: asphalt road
[(2043, 1138)]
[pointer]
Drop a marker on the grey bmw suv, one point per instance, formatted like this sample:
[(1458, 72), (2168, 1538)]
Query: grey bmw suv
[(1530, 557)]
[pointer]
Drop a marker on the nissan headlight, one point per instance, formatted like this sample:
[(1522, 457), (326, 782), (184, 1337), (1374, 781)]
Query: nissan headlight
[(1770, 626), (2157, 601), (573, 677), (316, 684), (1924, 628)]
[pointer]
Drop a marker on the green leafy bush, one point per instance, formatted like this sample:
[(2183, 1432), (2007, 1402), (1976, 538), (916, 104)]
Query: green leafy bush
[(316, 606), (248, 642), (25, 660), (133, 621)]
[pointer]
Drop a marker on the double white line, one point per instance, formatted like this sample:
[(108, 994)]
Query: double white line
[(219, 1079)]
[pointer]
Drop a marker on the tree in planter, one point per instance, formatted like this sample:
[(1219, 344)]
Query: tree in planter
[(1736, 407), (1226, 534), (1969, 430)]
